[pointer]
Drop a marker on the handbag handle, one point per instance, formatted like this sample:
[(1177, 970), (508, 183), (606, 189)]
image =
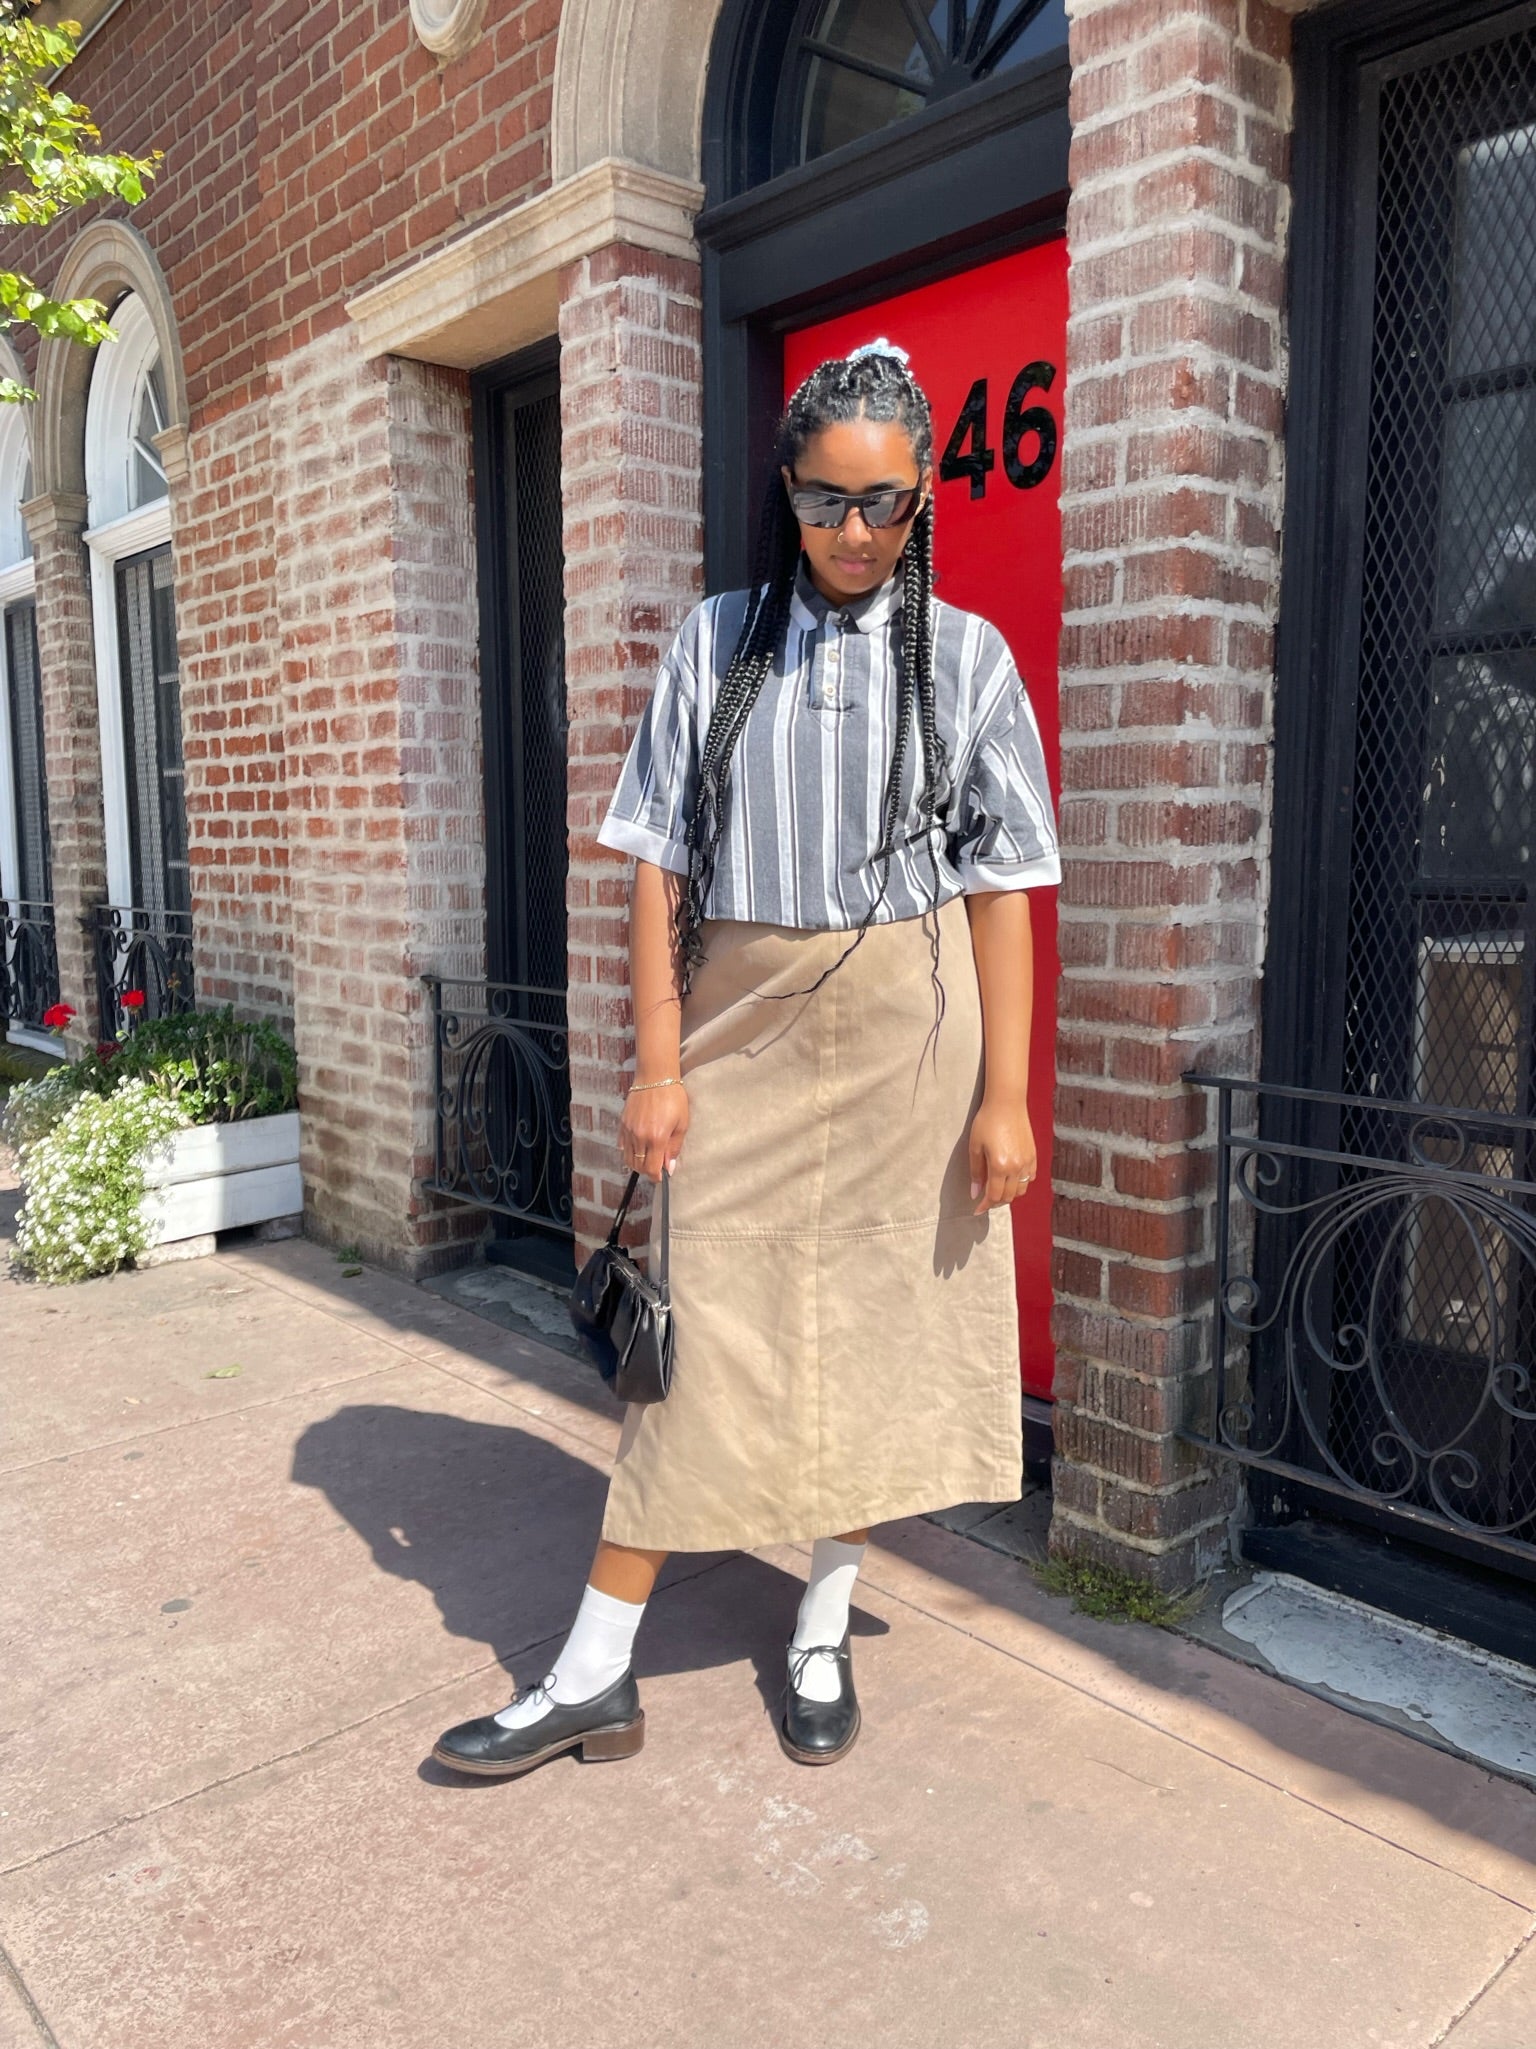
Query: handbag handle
[(662, 1278)]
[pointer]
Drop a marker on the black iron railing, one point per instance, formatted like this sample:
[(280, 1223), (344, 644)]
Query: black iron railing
[(501, 1087), (29, 961), (144, 954), (1375, 1306)]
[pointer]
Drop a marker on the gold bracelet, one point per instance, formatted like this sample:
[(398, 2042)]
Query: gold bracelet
[(669, 1083)]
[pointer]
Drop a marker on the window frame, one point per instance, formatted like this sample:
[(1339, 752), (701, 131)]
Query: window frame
[(802, 49)]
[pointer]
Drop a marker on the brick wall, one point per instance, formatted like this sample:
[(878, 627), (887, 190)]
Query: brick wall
[(376, 629), (371, 151), (232, 714), (1170, 510), (630, 374), (325, 577)]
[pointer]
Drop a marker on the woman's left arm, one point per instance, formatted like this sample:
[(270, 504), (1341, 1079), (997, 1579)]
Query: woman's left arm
[(1002, 1143)]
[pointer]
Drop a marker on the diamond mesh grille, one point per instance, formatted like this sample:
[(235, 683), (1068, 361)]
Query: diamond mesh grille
[(1438, 981)]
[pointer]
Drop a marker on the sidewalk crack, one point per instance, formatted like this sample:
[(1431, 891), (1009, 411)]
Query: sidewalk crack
[(18, 1985), (1482, 1991)]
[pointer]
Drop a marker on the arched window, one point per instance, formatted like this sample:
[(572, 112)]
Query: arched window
[(28, 954), (138, 683), (856, 66), (125, 410)]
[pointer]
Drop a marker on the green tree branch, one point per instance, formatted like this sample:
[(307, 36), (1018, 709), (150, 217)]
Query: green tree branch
[(45, 139)]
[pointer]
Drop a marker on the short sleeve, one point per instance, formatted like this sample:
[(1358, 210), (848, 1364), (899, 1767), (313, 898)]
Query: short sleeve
[(1005, 821), (658, 786)]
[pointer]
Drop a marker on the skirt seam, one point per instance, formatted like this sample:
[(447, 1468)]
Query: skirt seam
[(812, 1234)]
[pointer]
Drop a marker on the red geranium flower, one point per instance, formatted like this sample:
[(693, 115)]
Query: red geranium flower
[(105, 1048), (132, 999), (58, 1017)]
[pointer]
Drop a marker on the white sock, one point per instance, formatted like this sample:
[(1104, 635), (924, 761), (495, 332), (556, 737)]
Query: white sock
[(595, 1654), (823, 1616)]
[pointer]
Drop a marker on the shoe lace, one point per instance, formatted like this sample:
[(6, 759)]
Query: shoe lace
[(539, 1692), (799, 1659)]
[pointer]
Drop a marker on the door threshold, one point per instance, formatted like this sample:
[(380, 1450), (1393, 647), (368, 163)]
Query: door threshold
[(1435, 1687), (1491, 1610)]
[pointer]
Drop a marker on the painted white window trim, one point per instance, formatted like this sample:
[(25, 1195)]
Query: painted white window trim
[(135, 534), (118, 377)]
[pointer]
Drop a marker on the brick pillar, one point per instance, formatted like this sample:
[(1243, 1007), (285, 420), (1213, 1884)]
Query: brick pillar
[(376, 617), (71, 744), (1170, 511), (630, 380)]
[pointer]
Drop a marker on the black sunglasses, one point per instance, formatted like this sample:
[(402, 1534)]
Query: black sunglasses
[(834, 508)]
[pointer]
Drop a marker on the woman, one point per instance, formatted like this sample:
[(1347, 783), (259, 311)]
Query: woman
[(837, 802)]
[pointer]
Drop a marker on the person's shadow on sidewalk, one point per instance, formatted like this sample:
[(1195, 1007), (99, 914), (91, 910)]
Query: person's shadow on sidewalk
[(499, 1525)]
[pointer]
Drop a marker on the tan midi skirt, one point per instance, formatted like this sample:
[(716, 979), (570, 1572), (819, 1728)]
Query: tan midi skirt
[(847, 1336)]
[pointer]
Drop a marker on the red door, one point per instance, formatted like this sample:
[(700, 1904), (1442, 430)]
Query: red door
[(989, 348)]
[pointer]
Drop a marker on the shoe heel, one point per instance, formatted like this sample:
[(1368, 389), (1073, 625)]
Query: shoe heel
[(610, 1743)]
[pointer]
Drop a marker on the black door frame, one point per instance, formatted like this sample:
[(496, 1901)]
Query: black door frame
[(1340, 58), (915, 202)]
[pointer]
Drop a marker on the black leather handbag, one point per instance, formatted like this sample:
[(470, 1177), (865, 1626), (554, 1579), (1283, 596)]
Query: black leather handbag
[(623, 1316)]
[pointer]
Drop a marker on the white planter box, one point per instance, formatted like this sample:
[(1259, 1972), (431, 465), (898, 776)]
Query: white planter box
[(218, 1176)]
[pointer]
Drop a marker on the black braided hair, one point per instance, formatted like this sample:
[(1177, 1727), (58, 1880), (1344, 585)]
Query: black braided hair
[(870, 386)]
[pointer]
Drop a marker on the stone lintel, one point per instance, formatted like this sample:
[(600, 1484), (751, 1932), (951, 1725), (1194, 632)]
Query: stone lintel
[(497, 288)]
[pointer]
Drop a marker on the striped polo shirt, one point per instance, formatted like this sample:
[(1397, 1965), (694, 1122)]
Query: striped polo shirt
[(805, 802)]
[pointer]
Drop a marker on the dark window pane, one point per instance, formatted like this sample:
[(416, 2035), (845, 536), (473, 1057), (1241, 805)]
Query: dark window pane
[(879, 31), (841, 105), (26, 708), (889, 71), (157, 820), (1047, 31), (1495, 314), (1480, 784), (1487, 568)]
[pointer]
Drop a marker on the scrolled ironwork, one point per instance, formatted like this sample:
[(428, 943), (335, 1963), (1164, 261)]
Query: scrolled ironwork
[(141, 953), (1382, 1348), (29, 962), (502, 1099)]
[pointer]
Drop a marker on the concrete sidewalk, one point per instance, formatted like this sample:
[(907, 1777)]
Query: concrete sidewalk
[(241, 1604)]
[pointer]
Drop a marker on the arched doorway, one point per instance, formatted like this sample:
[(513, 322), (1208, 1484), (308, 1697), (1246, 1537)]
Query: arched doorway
[(900, 167)]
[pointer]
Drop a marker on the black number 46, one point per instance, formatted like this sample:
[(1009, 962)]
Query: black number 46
[(1019, 420)]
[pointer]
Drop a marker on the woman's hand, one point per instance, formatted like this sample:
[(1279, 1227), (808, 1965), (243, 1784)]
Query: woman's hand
[(652, 1127), (1002, 1152)]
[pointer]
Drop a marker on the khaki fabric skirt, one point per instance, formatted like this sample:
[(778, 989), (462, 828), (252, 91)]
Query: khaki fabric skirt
[(847, 1336)]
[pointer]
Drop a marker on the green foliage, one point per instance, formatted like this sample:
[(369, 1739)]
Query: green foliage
[(20, 1063), (34, 1107), (1111, 1596), (85, 1179), (45, 139), (215, 1068)]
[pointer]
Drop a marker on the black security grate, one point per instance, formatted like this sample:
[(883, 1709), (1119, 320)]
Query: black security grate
[(1377, 1311), (1438, 990)]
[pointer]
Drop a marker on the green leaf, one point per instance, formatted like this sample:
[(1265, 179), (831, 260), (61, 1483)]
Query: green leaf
[(223, 1373)]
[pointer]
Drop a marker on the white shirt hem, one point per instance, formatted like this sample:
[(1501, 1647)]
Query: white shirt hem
[(978, 876), (625, 837)]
